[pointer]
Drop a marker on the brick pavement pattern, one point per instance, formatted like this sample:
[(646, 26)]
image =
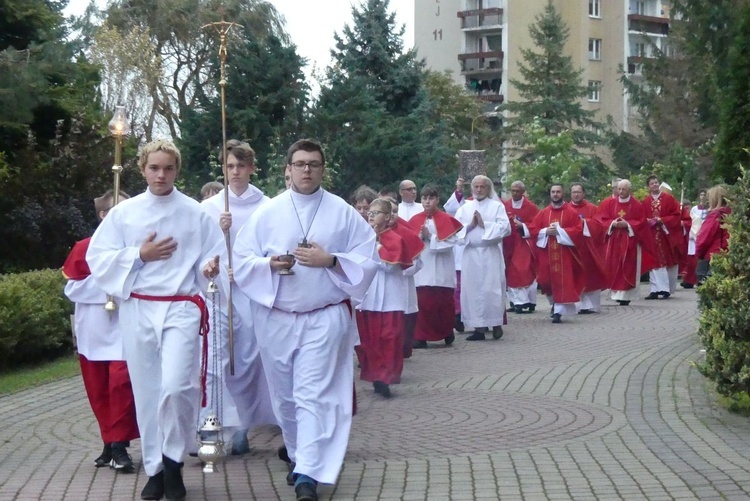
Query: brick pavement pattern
[(606, 406)]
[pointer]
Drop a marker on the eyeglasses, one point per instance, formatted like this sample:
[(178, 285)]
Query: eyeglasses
[(300, 165), (413, 188), (371, 213)]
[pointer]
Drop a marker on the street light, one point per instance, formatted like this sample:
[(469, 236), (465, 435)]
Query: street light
[(486, 114), (118, 128)]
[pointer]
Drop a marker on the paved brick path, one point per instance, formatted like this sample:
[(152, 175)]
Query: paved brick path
[(604, 406)]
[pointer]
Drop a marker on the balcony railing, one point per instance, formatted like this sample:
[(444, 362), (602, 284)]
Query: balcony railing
[(481, 18), (648, 24), (481, 61)]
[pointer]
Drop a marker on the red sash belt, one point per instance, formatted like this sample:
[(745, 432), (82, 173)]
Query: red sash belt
[(203, 329)]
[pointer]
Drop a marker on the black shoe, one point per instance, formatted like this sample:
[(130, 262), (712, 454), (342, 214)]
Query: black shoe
[(291, 476), (121, 460), (477, 336), (306, 491), (686, 285), (106, 457), (532, 307), (240, 444), (623, 303), (664, 295), (419, 345), (382, 389), (174, 487), (154, 487), (653, 295), (458, 325), (585, 312), (517, 309), (497, 332), (284, 455), (449, 340), (556, 319)]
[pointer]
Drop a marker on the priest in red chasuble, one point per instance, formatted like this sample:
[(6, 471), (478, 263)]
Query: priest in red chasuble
[(592, 252), (664, 217), (627, 242), (558, 234), (518, 251)]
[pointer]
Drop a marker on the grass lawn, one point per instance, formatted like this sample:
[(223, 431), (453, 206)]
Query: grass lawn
[(11, 382)]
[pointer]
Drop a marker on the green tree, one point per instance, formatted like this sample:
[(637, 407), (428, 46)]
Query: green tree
[(551, 90), (373, 112), (734, 125), (54, 154), (265, 103)]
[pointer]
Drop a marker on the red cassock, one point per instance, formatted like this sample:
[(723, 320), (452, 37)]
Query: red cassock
[(107, 382), (621, 251), (560, 268), (687, 263), (667, 244), (381, 333), (435, 317), (594, 249), (519, 252)]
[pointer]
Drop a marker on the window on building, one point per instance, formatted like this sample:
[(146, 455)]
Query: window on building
[(640, 49), (595, 89), (595, 49), (640, 8), (595, 8)]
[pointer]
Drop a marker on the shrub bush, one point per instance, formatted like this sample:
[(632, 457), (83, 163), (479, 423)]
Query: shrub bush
[(34, 318), (725, 302)]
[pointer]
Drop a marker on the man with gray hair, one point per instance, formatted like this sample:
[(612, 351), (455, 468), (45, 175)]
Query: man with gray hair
[(624, 221), (483, 268)]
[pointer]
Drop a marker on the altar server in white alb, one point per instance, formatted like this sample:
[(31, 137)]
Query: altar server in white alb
[(99, 346), (485, 224), (151, 252), (246, 399), (304, 321)]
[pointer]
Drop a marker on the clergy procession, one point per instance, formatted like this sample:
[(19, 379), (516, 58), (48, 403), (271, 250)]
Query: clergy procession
[(245, 310)]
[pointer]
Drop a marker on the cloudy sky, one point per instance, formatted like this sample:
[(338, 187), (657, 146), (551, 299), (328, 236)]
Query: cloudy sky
[(312, 23)]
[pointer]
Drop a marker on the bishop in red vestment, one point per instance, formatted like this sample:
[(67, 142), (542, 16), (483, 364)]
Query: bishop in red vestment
[(663, 214), (592, 252)]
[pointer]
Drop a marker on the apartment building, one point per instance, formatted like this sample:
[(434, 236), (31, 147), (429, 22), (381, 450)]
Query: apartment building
[(480, 42)]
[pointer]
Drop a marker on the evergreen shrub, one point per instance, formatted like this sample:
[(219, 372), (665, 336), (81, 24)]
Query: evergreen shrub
[(34, 318), (725, 302)]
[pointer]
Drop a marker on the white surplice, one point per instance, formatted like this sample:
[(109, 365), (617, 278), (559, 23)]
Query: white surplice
[(482, 267), (160, 339), (305, 330), (438, 269), (407, 210), (98, 334), (246, 399)]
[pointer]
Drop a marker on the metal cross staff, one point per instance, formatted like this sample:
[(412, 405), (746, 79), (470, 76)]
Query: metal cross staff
[(222, 28)]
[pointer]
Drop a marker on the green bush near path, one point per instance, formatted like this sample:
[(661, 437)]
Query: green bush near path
[(725, 303), (34, 318)]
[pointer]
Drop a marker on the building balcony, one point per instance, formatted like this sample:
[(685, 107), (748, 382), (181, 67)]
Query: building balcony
[(491, 98), (481, 62), (481, 20), (648, 24)]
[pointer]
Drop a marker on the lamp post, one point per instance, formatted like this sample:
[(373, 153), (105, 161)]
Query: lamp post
[(474, 121), (118, 128)]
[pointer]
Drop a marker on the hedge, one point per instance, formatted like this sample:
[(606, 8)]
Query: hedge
[(34, 318)]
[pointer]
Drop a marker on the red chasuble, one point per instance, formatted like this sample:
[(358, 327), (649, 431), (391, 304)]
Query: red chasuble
[(445, 225), (76, 267), (621, 251), (560, 269), (414, 244), (666, 243), (593, 251), (518, 252), (393, 250)]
